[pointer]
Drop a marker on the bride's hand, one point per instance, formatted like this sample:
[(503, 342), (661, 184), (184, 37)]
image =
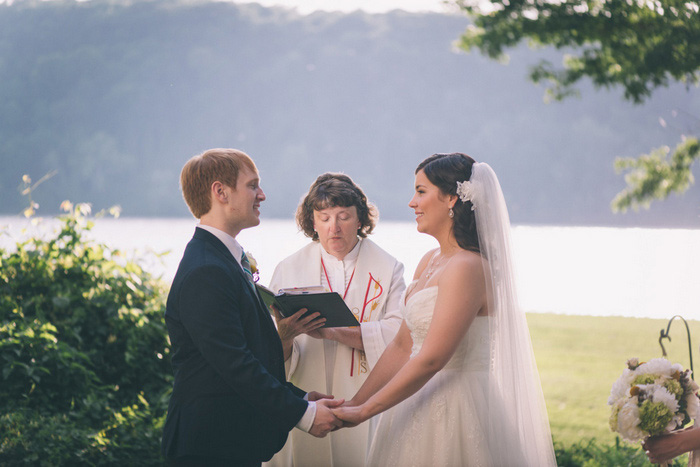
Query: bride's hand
[(349, 403), (350, 416)]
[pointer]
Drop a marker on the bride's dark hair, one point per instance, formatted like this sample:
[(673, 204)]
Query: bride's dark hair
[(444, 171)]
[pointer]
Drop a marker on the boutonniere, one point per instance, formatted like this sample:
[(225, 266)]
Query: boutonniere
[(253, 266)]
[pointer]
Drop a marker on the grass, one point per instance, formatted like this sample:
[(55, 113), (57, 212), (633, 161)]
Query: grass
[(580, 357)]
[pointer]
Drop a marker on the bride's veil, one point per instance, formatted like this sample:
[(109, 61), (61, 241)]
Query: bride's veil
[(517, 413)]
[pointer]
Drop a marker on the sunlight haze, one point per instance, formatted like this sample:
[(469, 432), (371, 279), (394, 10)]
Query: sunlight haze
[(370, 6)]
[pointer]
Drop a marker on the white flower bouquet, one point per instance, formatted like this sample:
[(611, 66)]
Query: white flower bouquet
[(652, 398)]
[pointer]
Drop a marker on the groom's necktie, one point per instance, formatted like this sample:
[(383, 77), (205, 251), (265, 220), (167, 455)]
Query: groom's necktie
[(245, 263)]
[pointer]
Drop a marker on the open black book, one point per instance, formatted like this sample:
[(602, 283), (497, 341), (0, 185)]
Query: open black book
[(329, 304)]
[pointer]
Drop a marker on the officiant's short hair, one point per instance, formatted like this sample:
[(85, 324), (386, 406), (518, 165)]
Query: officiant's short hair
[(200, 172), (331, 190)]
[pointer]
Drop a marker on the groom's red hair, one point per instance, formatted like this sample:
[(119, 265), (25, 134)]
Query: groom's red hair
[(200, 172)]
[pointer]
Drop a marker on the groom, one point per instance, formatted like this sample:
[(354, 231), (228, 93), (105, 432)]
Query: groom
[(231, 403)]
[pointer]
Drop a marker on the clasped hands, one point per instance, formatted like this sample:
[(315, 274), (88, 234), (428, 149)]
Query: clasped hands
[(332, 414)]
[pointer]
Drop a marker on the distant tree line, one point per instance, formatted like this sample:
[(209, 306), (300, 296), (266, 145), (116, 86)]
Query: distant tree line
[(115, 96)]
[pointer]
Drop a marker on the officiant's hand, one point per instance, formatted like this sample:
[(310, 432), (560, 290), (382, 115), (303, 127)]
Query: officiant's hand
[(291, 327), (321, 333), (325, 421)]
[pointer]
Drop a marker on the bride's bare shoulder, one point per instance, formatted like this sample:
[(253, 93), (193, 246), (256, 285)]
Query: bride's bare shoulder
[(465, 264), (467, 258)]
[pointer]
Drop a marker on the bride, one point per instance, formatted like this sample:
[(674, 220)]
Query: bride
[(458, 385)]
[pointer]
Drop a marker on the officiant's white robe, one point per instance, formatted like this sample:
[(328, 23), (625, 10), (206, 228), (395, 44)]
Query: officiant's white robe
[(376, 286)]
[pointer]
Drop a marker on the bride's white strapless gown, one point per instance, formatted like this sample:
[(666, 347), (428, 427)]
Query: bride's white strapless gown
[(445, 422)]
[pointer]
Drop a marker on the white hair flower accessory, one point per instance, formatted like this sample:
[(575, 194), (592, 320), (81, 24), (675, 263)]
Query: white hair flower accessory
[(466, 192)]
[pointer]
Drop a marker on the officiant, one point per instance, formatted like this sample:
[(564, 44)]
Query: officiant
[(337, 216)]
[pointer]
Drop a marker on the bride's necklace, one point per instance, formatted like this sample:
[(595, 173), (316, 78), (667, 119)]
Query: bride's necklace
[(433, 266)]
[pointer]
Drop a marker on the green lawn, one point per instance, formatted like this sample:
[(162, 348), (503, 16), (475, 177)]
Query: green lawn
[(580, 357)]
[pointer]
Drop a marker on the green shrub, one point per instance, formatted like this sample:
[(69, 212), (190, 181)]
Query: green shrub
[(131, 437), (590, 453), (29, 438), (39, 370), (84, 359)]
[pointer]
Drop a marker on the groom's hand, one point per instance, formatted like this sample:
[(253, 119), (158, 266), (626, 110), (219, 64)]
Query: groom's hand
[(325, 421)]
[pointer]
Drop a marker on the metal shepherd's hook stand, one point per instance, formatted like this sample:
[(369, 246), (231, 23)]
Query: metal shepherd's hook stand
[(664, 334)]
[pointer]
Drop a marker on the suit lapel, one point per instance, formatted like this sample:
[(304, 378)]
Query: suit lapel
[(218, 244)]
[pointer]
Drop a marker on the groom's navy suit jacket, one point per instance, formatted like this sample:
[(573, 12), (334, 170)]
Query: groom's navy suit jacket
[(230, 398)]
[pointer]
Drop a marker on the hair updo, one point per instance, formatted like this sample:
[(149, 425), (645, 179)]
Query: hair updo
[(444, 171)]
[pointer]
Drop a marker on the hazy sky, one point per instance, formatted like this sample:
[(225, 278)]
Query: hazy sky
[(371, 6)]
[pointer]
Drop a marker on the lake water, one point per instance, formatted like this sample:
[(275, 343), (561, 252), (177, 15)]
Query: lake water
[(653, 273)]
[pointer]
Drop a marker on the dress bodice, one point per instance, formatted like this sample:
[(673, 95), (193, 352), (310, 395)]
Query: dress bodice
[(473, 351)]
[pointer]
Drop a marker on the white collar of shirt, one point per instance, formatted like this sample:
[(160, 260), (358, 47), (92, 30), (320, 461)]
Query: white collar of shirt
[(230, 242), (336, 273)]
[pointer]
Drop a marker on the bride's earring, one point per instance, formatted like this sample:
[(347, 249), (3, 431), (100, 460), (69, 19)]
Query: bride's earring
[(451, 213)]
